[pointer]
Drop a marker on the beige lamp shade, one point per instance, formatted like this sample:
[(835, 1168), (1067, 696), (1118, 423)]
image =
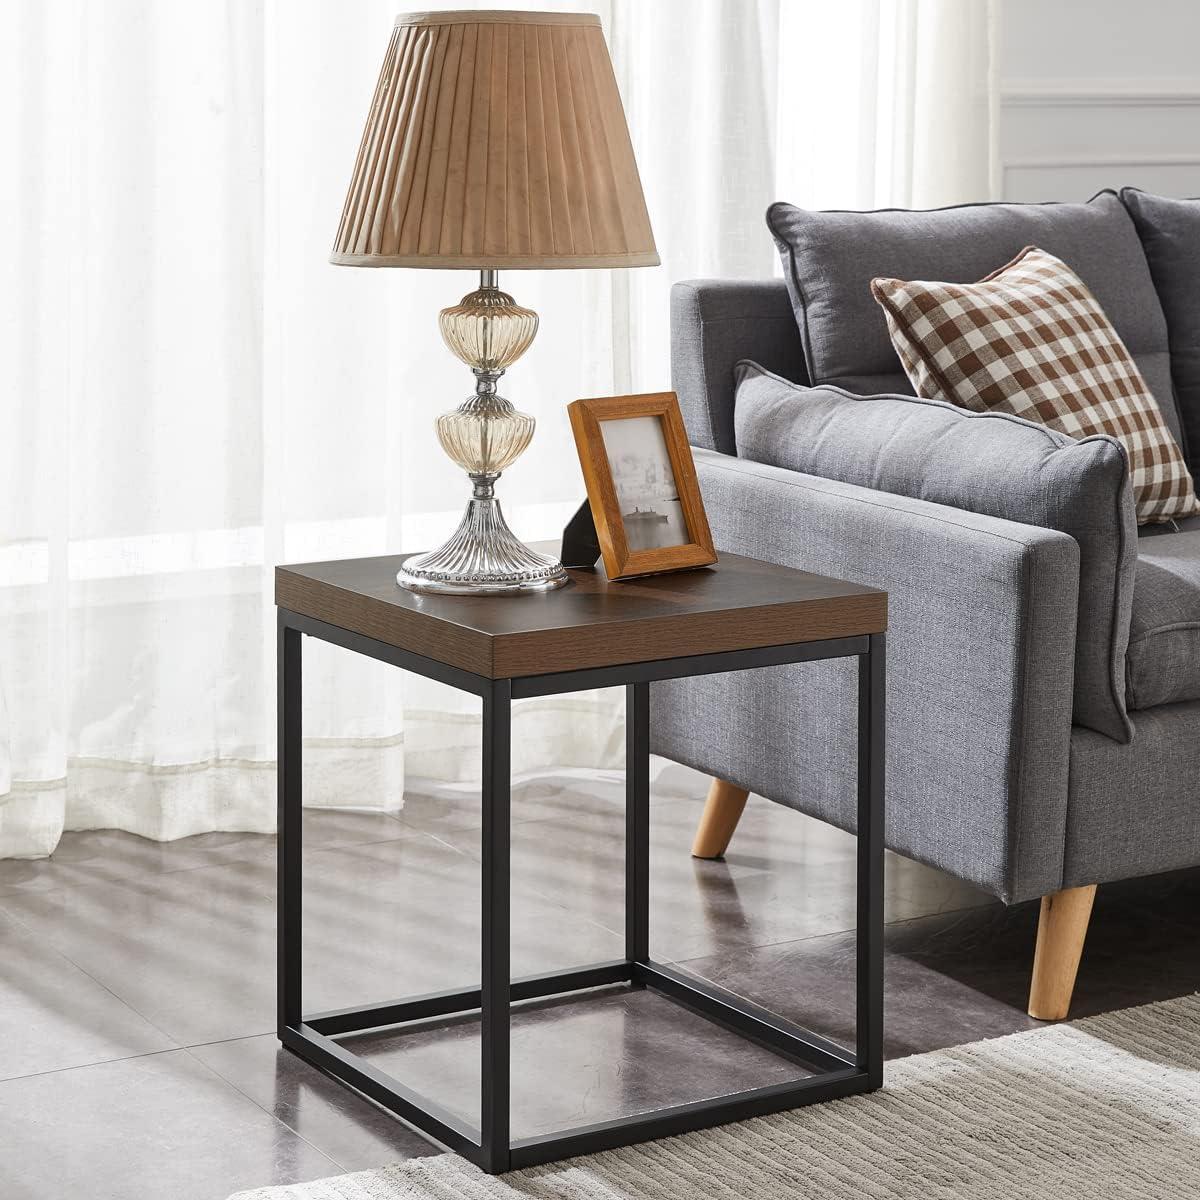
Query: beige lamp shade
[(496, 140)]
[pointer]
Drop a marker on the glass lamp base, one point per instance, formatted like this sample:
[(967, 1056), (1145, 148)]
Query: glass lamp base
[(483, 558), (485, 435)]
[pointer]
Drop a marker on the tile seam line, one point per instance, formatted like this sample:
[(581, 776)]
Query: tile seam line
[(261, 1107), (174, 1042)]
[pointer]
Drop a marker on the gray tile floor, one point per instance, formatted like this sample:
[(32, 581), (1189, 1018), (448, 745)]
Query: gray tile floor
[(137, 979)]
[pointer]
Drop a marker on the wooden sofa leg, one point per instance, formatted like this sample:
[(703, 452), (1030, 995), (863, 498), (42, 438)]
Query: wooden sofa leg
[(722, 811), (1062, 927)]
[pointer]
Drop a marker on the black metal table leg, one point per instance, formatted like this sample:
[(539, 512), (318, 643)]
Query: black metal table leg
[(637, 822), (830, 1071), (871, 759), (496, 981), (289, 909)]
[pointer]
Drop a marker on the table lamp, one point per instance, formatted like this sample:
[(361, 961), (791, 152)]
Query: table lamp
[(495, 140)]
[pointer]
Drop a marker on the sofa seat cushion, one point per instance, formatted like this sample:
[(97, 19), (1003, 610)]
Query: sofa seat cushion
[(1170, 233), (994, 464), (830, 258), (1162, 664)]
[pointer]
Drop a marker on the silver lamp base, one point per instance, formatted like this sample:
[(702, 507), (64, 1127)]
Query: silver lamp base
[(483, 558)]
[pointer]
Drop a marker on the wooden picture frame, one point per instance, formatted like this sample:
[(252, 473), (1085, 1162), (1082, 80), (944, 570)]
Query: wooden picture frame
[(672, 532)]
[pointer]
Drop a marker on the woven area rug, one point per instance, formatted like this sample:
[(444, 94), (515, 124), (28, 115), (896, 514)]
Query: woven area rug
[(1106, 1107)]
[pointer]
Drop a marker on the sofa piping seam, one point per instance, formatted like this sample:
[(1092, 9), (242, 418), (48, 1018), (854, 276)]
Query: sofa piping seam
[(1174, 627), (1060, 441)]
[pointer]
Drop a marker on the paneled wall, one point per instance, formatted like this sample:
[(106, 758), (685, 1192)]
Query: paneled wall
[(1099, 93)]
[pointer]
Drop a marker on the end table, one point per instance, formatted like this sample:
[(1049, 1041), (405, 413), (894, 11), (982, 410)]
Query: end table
[(737, 615)]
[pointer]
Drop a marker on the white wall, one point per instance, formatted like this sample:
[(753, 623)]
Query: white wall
[(1099, 93)]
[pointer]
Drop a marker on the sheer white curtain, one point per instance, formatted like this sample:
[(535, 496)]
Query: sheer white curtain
[(191, 394), (894, 105)]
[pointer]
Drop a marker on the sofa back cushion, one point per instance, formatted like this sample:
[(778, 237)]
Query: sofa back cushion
[(990, 463), (1170, 234), (830, 258)]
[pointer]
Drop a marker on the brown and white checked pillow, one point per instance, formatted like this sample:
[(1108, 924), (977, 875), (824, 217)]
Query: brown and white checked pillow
[(1032, 340)]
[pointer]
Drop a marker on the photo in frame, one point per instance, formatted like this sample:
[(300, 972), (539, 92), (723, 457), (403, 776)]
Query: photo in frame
[(641, 484)]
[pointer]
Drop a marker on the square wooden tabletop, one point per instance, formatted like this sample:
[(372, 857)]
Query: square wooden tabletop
[(738, 604)]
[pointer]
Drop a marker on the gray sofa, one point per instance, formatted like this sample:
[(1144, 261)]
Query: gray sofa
[(1044, 653)]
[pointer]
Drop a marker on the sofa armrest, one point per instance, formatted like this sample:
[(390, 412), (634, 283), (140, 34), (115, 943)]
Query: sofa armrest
[(981, 640), (714, 323)]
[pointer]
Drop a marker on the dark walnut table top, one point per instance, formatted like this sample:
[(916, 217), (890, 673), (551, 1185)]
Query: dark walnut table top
[(738, 604)]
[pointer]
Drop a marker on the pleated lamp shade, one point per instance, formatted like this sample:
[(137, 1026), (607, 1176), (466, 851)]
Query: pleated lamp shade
[(496, 140)]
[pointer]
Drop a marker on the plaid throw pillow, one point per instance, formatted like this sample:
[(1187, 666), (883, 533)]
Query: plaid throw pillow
[(1030, 339)]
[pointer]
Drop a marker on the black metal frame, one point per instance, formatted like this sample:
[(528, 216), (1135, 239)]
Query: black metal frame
[(838, 1072)]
